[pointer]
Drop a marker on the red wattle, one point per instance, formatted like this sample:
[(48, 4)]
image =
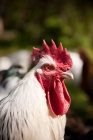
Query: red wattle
[(57, 95), (58, 98)]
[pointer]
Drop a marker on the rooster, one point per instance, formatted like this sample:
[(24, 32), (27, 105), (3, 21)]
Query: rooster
[(35, 109)]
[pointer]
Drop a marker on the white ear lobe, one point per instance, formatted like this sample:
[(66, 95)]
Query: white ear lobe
[(39, 71)]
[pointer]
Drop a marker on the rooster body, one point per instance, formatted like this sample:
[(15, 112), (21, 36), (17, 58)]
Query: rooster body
[(26, 113)]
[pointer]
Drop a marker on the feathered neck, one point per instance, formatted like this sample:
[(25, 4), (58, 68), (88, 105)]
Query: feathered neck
[(26, 111), (28, 93)]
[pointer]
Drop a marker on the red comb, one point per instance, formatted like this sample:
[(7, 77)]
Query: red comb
[(59, 55)]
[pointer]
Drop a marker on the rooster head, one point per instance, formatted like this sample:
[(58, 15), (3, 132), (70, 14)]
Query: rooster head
[(52, 68)]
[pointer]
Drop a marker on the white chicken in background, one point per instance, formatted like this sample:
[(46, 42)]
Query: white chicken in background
[(5, 63), (77, 67), (35, 109), (22, 58), (9, 79)]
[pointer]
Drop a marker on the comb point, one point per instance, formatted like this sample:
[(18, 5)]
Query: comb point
[(45, 46), (53, 44), (60, 46)]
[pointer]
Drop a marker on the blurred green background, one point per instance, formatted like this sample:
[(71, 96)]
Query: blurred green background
[(25, 23)]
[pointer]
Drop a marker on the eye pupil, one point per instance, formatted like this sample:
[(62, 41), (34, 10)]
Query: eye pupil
[(47, 68)]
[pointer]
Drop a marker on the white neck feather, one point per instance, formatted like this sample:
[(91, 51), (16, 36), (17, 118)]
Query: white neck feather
[(30, 114)]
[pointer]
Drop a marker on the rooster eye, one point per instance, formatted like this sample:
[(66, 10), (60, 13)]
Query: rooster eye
[(48, 68)]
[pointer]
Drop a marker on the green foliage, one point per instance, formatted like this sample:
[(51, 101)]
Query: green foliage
[(80, 102), (62, 21)]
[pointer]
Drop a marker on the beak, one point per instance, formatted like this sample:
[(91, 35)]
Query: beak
[(67, 75)]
